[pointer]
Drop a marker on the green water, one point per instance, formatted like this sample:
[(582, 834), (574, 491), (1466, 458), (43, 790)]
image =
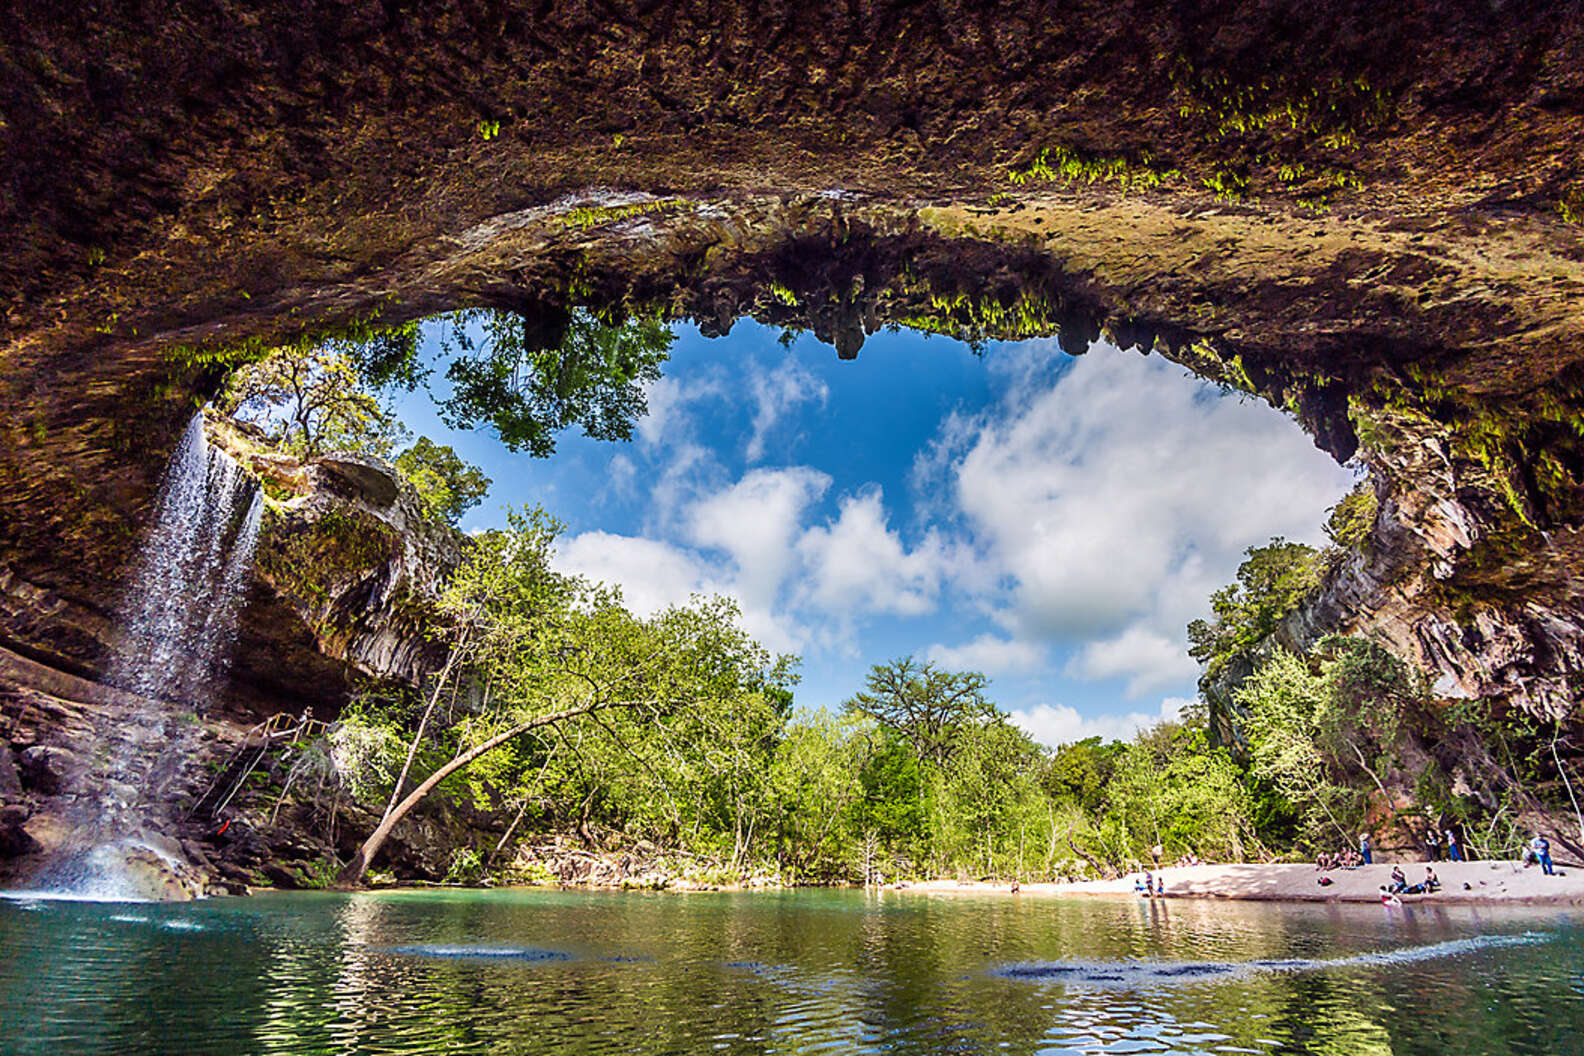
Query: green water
[(806, 971)]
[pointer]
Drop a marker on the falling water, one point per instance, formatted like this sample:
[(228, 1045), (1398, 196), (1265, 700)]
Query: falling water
[(178, 614), (180, 607)]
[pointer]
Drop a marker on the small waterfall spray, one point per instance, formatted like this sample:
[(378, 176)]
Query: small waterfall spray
[(179, 614)]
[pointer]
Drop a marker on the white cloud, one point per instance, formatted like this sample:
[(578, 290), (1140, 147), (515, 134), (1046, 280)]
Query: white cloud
[(1148, 659), (857, 564), (621, 476), (756, 521), (1058, 724), (669, 400), (1118, 497), (652, 574), (775, 393), (988, 653)]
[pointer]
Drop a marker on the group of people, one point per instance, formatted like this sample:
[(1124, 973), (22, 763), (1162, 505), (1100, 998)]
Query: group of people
[(1347, 858), (1399, 885), (1434, 843), (1148, 886), (1539, 853)]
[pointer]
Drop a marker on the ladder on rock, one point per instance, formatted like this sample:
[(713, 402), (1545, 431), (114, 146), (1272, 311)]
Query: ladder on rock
[(256, 744)]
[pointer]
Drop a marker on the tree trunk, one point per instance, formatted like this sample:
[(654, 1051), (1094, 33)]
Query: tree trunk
[(351, 875), (423, 724)]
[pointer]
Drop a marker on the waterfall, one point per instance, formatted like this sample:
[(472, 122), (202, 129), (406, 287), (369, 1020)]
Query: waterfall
[(178, 613), (180, 605)]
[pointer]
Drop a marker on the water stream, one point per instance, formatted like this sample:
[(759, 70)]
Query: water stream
[(179, 616)]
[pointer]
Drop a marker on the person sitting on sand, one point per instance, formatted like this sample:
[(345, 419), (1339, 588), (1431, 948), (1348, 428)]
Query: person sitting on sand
[(1323, 862), (1432, 882), (1542, 853), (1399, 881)]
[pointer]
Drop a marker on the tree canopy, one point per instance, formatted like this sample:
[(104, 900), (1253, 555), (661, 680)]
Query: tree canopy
[(929, 708)]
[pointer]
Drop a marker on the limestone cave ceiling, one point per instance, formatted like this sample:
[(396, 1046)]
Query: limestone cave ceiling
[(1371, 218)]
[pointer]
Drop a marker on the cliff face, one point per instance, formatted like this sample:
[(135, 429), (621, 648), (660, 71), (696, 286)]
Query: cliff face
[(348, 564)]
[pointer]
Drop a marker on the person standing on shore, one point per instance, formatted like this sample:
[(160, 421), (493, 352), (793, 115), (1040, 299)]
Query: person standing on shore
[(1364, 848), (1433, 845), (1454, 852)]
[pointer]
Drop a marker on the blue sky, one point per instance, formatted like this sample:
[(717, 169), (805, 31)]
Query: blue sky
[(1053, 521)]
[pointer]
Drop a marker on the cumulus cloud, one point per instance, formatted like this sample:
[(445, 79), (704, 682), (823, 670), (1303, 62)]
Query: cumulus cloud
[(858, 564), (775, 393), (988, 653), (1058, 724), (1085, 518), (1119, 496), (756, 521), (669, 401), (1148, 659), (652, 574)]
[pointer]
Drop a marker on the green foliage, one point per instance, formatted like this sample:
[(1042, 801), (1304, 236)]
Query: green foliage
[(529, 384), (975, 320), (1323, 730), (1064, 165), (1079, 773), (586, 218), (336, 548), (467, 866), (1351, 521), (1229, 185), (311, 399), (932, 710), (448, 486), (1271, 582), (1571, 205)]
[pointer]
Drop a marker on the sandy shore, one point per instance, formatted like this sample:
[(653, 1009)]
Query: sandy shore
[(1504, 881)]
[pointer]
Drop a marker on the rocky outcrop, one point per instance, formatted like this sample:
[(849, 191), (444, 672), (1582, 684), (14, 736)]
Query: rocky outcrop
[(349, 554)]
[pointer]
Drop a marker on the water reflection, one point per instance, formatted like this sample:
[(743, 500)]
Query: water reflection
[(784, 973)]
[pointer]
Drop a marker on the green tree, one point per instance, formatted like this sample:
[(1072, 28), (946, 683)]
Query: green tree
[(448, 486), (1271, 582), (311, 399), (930, 709), (531, 377), (535, 649), (1078, 772), (1282, 703)]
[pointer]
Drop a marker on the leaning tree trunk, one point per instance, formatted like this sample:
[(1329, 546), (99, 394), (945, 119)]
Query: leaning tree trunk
[(351, 874)]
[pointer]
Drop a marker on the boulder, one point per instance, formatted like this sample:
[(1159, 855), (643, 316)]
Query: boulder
[(14, 839), (10, 780), (50, 769)]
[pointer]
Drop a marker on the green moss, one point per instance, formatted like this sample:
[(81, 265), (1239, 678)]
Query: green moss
[(1571, 205), (977, 319), (307, 559), (586, 218), (1062, 165)]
